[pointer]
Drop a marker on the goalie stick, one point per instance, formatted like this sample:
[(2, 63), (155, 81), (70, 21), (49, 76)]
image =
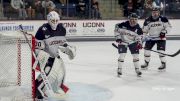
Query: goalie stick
[(50, 92), (171, 55)]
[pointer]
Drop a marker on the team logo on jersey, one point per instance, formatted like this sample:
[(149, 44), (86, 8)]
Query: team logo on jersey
[(155, 25), (44, 28), (148, 22), (136, 30), (124, 27), (47, 36), (61, 42)]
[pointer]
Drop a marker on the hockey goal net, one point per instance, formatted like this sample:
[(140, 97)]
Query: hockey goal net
[(16, 73)]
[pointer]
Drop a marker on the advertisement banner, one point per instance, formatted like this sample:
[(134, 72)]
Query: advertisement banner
[(75, 27)]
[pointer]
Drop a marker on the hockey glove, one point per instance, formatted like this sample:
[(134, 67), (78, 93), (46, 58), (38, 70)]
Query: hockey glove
[(65, 44), (139, 45), (162, 34), (119, 41)]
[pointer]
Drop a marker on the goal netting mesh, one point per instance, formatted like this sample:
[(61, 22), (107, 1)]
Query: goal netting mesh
[(16, 73)]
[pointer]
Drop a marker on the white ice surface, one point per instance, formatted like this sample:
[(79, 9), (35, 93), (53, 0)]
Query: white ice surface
[(96, 64)]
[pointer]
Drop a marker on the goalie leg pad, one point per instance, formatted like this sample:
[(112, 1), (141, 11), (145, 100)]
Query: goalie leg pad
[(40, 87), (38, 91), (56, 75), (43, 58), (55, 71)]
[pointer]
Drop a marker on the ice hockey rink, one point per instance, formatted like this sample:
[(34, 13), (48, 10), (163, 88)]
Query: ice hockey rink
[(91, 76)]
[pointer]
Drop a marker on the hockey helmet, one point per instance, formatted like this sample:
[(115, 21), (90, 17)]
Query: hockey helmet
[(133, 17), (155, 12), (156, 9), (53, 19)]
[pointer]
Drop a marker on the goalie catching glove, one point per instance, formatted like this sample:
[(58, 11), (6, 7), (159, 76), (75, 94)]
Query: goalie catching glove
[(69, 50)]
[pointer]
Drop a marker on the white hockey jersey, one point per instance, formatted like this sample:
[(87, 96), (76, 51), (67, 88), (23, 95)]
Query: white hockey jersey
[(127, 33), (154, 27)]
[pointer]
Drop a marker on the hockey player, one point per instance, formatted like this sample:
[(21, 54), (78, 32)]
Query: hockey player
[(50, 38), (128, 35), (155, 27)]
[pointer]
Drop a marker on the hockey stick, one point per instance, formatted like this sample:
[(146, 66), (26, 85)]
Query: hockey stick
[(171, 55), (42, 73)]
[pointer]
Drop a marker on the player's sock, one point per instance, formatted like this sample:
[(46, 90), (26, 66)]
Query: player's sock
[(119, 72)]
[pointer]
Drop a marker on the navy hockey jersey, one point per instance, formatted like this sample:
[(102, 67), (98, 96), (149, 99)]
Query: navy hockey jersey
[(51, 38)]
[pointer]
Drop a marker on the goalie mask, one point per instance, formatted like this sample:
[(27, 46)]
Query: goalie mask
[(133, 19), (53, 19)]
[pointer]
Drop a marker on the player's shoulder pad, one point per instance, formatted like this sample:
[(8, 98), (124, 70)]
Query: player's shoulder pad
[(148, 18), (60, 25), (40, 32), (147, 21), (119, 25), (44, 27), (139, 30), (164, 19), (124, 24)]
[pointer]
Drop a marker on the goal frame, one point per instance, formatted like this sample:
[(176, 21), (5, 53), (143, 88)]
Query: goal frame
[(19, 41)]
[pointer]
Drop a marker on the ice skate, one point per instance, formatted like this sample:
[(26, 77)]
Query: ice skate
[(119, 72), (145, 66), (138, 72), (162, 67)]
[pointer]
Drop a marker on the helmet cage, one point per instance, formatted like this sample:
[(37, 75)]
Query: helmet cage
[(53, 19)]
